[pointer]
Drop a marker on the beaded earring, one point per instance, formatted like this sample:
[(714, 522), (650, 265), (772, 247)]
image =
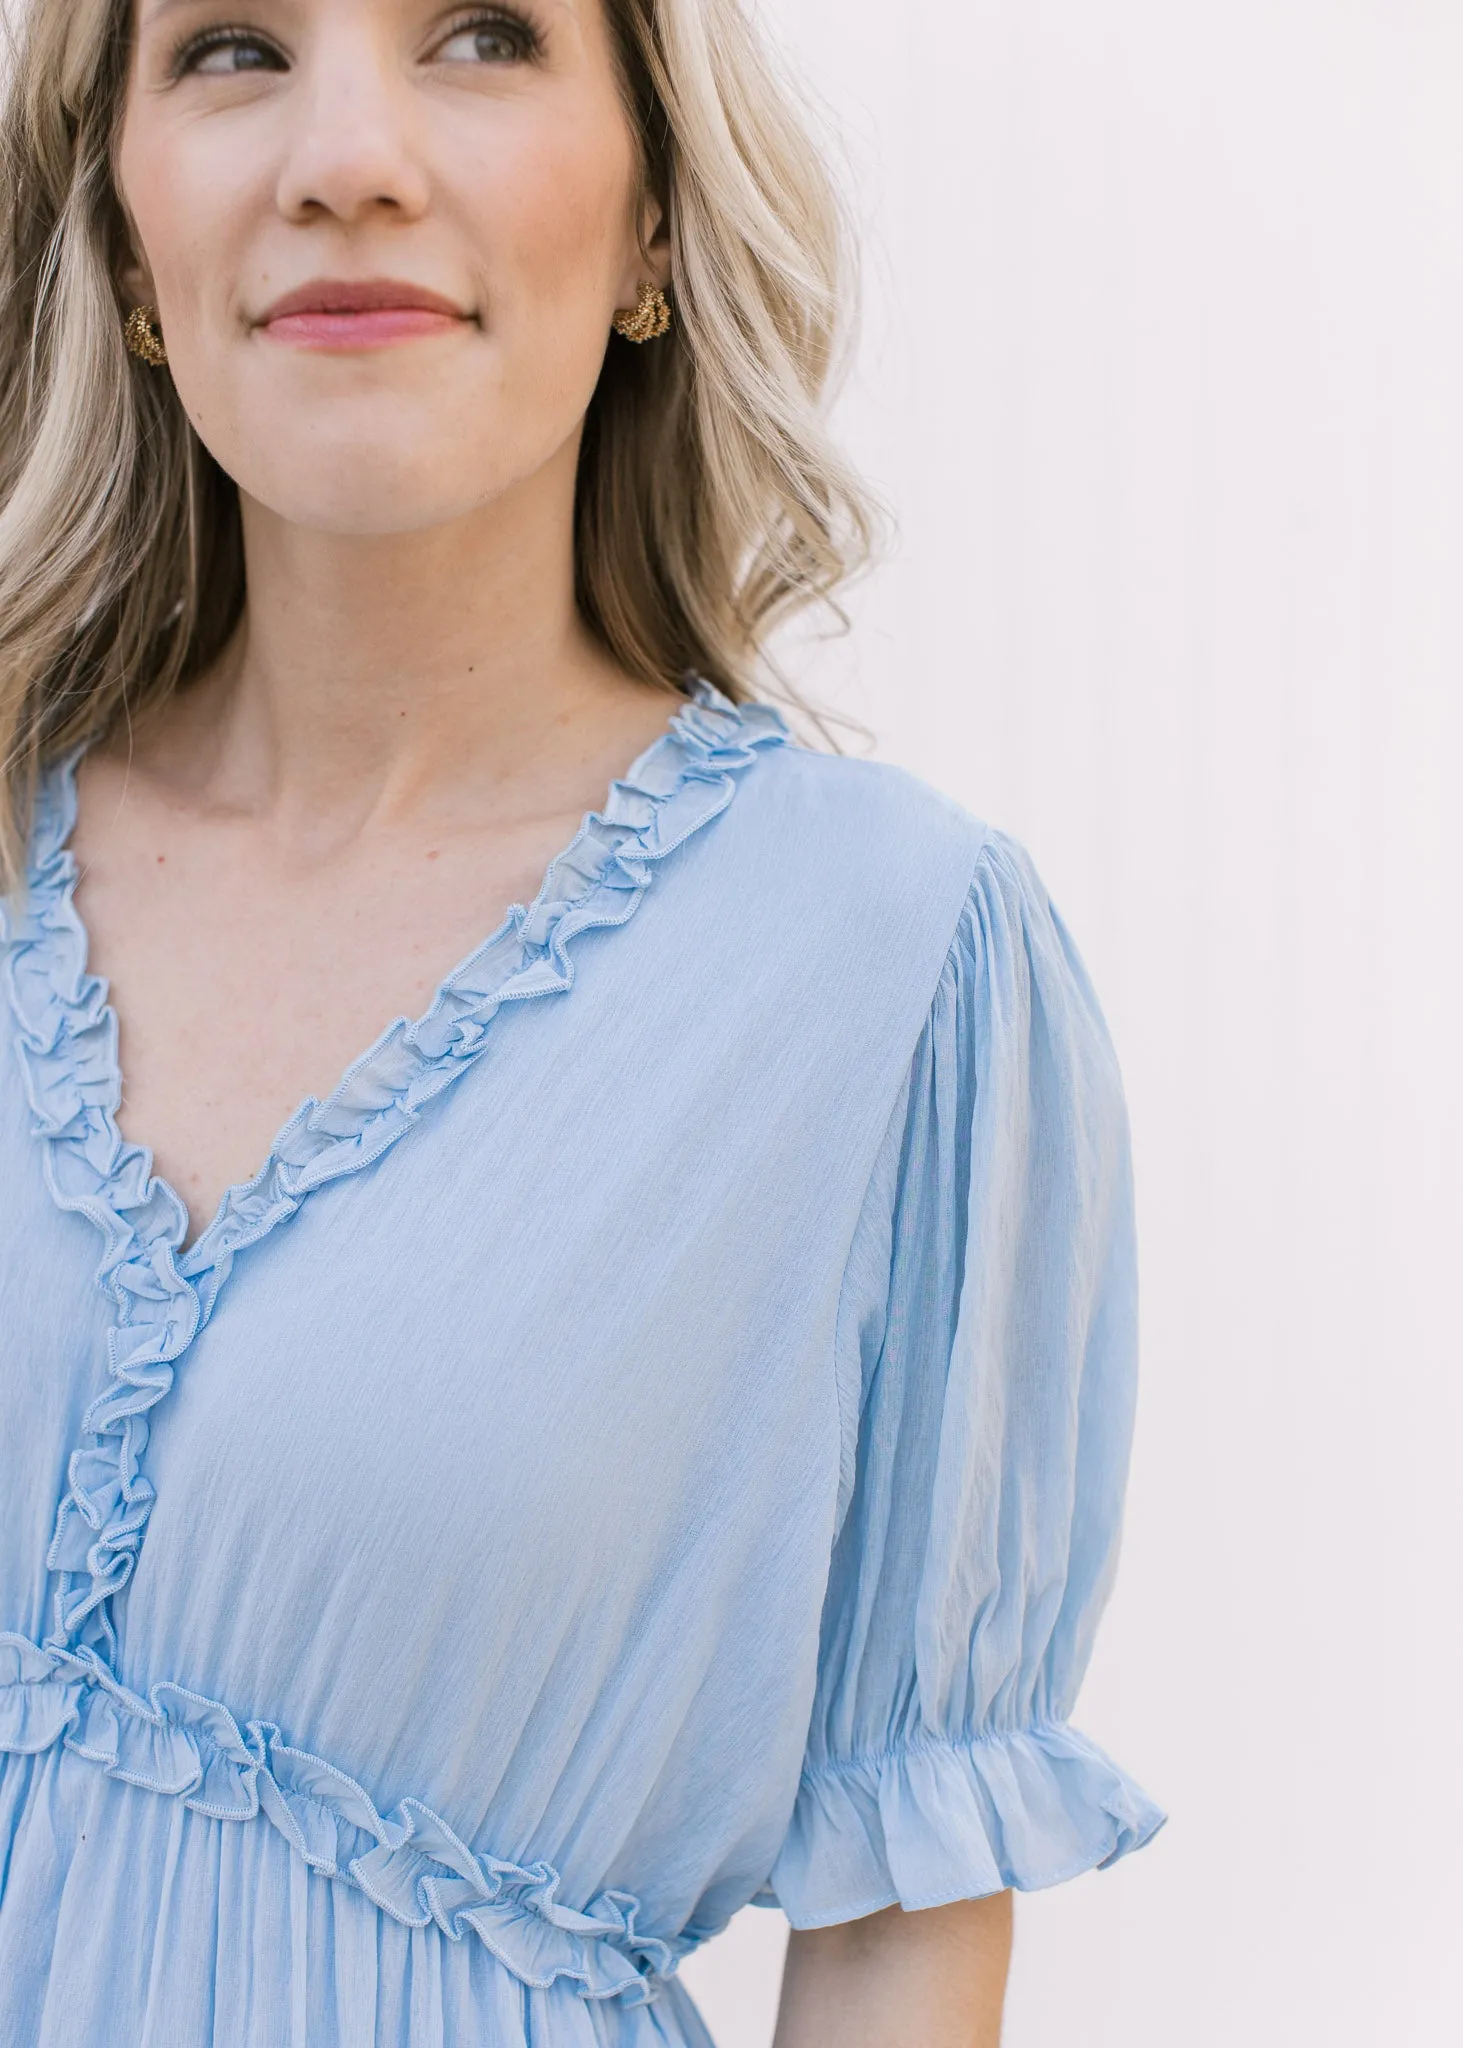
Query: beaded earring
[(650, 318), (145, 337)]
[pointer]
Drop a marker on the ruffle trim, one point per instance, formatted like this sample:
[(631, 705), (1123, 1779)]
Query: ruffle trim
[(409, 1862), (924, 1826), (68, 1044)]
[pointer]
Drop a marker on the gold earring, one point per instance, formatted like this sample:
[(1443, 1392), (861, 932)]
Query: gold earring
[(145, 337), (650, 319)]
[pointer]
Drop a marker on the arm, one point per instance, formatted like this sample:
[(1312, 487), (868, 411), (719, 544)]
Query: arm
[(934, 1979), (990, 1301)]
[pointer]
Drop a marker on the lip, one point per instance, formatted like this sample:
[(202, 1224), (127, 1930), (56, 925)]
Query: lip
[(355, 313)]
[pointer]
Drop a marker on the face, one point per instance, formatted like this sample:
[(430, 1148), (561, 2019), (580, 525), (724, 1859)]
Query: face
[(386, 240)]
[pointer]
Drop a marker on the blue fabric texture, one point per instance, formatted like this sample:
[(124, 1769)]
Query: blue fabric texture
[(623, 1456)]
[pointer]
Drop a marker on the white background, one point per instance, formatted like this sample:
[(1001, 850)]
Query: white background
[(1162, 374)]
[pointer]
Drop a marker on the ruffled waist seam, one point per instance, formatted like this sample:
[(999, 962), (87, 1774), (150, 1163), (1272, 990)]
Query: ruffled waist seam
[(410, 1863)]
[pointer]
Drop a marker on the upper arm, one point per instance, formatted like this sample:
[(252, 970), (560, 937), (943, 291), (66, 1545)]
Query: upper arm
[(991, 1309)]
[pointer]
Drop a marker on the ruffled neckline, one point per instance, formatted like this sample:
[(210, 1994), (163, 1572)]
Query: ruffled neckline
[(162, 1294), (678, 784)]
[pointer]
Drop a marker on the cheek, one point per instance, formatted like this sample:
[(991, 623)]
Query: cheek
[(553, 211), (190, 218), (195, 216)]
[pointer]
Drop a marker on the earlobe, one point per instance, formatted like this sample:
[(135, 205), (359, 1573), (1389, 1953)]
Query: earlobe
[(650, 315), (140, 322)]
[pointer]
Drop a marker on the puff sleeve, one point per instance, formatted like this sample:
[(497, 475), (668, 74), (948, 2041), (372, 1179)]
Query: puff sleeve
[(988, 1347)]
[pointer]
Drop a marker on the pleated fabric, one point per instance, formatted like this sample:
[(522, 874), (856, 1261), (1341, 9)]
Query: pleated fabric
[(653, 1439)]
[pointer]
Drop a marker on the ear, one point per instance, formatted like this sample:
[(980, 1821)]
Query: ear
[(655, 239), (134, 273), (651, 257), (134, 283)]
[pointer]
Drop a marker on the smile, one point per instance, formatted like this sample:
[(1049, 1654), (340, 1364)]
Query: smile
[(342, 314)]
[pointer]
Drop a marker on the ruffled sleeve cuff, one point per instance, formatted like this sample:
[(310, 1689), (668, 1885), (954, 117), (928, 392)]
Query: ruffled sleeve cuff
[(925, 1826)]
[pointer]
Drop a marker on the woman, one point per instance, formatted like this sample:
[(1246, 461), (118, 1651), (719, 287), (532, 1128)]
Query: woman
[(651, 1435)]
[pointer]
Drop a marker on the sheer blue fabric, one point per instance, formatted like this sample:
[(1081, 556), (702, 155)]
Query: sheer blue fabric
[(653, 1439)]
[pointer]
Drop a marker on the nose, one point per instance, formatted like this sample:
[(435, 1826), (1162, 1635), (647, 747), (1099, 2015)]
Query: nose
[(350, 151)]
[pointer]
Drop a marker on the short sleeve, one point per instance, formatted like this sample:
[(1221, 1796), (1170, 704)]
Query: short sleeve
[(988, 1335)]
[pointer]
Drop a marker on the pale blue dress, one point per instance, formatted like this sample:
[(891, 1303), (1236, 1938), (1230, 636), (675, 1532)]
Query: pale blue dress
[(653, 1439)]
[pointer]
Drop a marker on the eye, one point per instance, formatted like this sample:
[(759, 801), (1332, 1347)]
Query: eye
[(497, 37), (224, 52)]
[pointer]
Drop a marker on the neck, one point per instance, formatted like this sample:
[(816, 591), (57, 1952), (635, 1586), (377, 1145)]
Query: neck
[(372, 672)]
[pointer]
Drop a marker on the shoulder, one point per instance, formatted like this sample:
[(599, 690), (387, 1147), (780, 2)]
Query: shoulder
[(823, 810), (838, 888), (837, 911), (887, 853), (834, 888), (869, 830)]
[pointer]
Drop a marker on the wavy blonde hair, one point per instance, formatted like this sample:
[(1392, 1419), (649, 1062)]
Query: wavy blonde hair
[(711, 504)]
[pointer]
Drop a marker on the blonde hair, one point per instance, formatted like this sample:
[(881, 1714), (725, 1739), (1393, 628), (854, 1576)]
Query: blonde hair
[(711, 504)]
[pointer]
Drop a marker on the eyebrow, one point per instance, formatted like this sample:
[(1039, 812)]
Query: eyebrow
[(161, 9)]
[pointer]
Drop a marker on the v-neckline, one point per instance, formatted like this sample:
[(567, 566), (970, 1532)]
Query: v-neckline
[(162, 1295), (386, 1071)]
